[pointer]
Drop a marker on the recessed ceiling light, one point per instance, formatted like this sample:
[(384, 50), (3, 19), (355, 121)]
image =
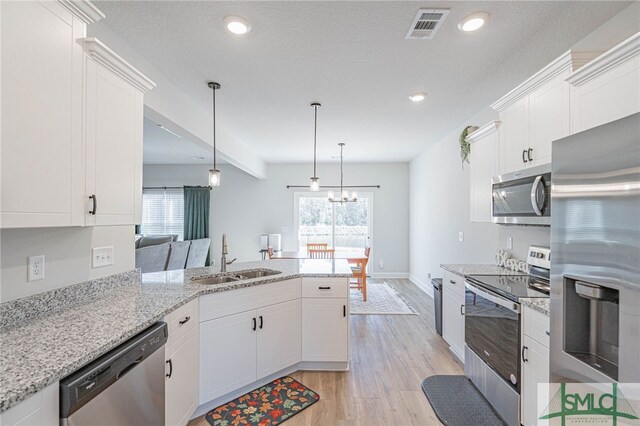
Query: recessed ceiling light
[(417, 97), (237, 25), (473, 22), (196, 158)]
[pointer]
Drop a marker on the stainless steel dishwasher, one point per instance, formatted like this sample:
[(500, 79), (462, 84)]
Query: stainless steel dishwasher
[(125, 386)]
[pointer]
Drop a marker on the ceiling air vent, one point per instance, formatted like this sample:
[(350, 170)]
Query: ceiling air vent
[(426, 23)]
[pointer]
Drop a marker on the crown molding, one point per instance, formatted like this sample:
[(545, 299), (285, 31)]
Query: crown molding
[(612, 58), (83, 9), (486, 130), (570, 60), (106, 57)]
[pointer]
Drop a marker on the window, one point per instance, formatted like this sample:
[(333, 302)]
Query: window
[(163, 212), (341, 226)]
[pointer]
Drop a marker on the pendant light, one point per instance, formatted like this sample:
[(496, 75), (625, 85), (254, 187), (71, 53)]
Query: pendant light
[(345, 197), (214, 174), (314, 184)]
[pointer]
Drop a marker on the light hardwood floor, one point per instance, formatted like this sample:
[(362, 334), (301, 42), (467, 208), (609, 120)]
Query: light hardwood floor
[(390, 355)]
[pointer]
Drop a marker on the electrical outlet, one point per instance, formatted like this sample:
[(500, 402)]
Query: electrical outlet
[(509, 243), (35, 268), (428, 276), (381, 263), (101, 256), (461, 236)]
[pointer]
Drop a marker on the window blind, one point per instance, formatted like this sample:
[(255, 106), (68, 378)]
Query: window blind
[(162, 212)]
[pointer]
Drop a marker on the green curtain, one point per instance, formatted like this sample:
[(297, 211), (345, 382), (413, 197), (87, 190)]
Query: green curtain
[(196, 213)]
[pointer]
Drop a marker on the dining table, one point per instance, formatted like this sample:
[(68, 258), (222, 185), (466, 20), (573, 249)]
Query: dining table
[(352, 256)]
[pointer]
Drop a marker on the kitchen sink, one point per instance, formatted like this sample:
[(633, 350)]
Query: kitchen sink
[(220, 279), (231, 277), (256, 273)]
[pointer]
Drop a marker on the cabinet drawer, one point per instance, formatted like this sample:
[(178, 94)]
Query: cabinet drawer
[(536, 325), (180, 321), (325, 287), (218, 305), (454, 282)]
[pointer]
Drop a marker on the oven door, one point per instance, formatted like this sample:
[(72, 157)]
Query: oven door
[(492, 331)]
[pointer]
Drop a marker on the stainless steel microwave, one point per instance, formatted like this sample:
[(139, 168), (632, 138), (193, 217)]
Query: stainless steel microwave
[(523, 197)]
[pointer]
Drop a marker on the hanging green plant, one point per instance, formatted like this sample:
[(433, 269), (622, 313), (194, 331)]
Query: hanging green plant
[(465, 146)]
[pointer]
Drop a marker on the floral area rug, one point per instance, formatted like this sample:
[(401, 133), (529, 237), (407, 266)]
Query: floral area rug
[(271, 404)]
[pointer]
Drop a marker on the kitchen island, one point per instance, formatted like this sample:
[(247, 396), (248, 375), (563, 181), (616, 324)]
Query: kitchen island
[(48, 336)]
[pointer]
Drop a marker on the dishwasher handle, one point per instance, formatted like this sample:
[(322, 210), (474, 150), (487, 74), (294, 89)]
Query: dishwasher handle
[(83, 385)]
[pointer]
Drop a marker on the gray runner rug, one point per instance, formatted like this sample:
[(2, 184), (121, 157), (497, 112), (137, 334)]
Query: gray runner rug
[(457, 402)]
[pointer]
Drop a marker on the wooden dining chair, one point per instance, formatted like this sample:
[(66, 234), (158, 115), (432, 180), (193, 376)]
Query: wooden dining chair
[(317, 246), (359, 274), (322, 254)]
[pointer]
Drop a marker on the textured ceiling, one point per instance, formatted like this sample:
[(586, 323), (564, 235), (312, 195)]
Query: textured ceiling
[(353, 58)]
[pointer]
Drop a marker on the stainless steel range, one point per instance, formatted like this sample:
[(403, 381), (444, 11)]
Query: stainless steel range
[(492, 330)]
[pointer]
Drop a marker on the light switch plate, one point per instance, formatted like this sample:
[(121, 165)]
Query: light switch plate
[(461, 236), (101, 256), (35, 268), (509, 243)]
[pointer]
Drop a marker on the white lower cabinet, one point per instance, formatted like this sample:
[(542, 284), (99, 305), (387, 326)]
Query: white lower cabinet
[(228, 355), (325, 329), (452, 312), (535, 363), (239, 349), (40, 409), (278, 337), (181, 383)]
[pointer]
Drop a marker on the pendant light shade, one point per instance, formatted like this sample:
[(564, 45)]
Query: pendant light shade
[(214, 174), (314, 184), (214, 177)]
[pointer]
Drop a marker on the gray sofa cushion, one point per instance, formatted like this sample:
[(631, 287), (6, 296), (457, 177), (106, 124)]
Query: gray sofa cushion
[(198, 253), (152, 258), (178, 255), (152, 240)]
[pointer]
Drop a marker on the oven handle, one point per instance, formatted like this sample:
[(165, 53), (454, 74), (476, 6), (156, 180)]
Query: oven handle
[(514, 307), (534, 195)]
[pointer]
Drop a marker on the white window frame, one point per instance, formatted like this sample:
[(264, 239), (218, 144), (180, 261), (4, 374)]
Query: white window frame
[(296, 215)]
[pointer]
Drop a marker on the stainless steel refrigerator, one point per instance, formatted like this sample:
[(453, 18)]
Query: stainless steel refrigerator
[(595, 244)]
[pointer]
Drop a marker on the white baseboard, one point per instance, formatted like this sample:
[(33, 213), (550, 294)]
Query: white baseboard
[(426, 287), (390, 275)]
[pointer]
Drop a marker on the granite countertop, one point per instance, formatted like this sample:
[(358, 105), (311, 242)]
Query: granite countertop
[(37, 349), (478, 269), (540, 304)]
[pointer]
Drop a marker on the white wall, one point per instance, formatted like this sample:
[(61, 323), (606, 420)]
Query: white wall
[(245, 207), (440, 208), (67, 254)]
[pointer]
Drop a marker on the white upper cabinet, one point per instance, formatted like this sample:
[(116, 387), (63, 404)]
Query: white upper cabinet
[(536, 113), (72, 121), (42, 112), (114, 117), (607, 88), (483, 166)]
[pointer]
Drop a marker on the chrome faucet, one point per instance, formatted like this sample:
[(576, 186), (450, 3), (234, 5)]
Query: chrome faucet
[(225, 252)]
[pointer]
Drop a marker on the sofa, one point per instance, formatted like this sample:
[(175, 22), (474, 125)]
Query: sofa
[(164, 253)]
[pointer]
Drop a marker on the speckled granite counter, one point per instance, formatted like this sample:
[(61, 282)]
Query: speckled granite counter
[(478, 269), (540, 304), (40, 344)]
